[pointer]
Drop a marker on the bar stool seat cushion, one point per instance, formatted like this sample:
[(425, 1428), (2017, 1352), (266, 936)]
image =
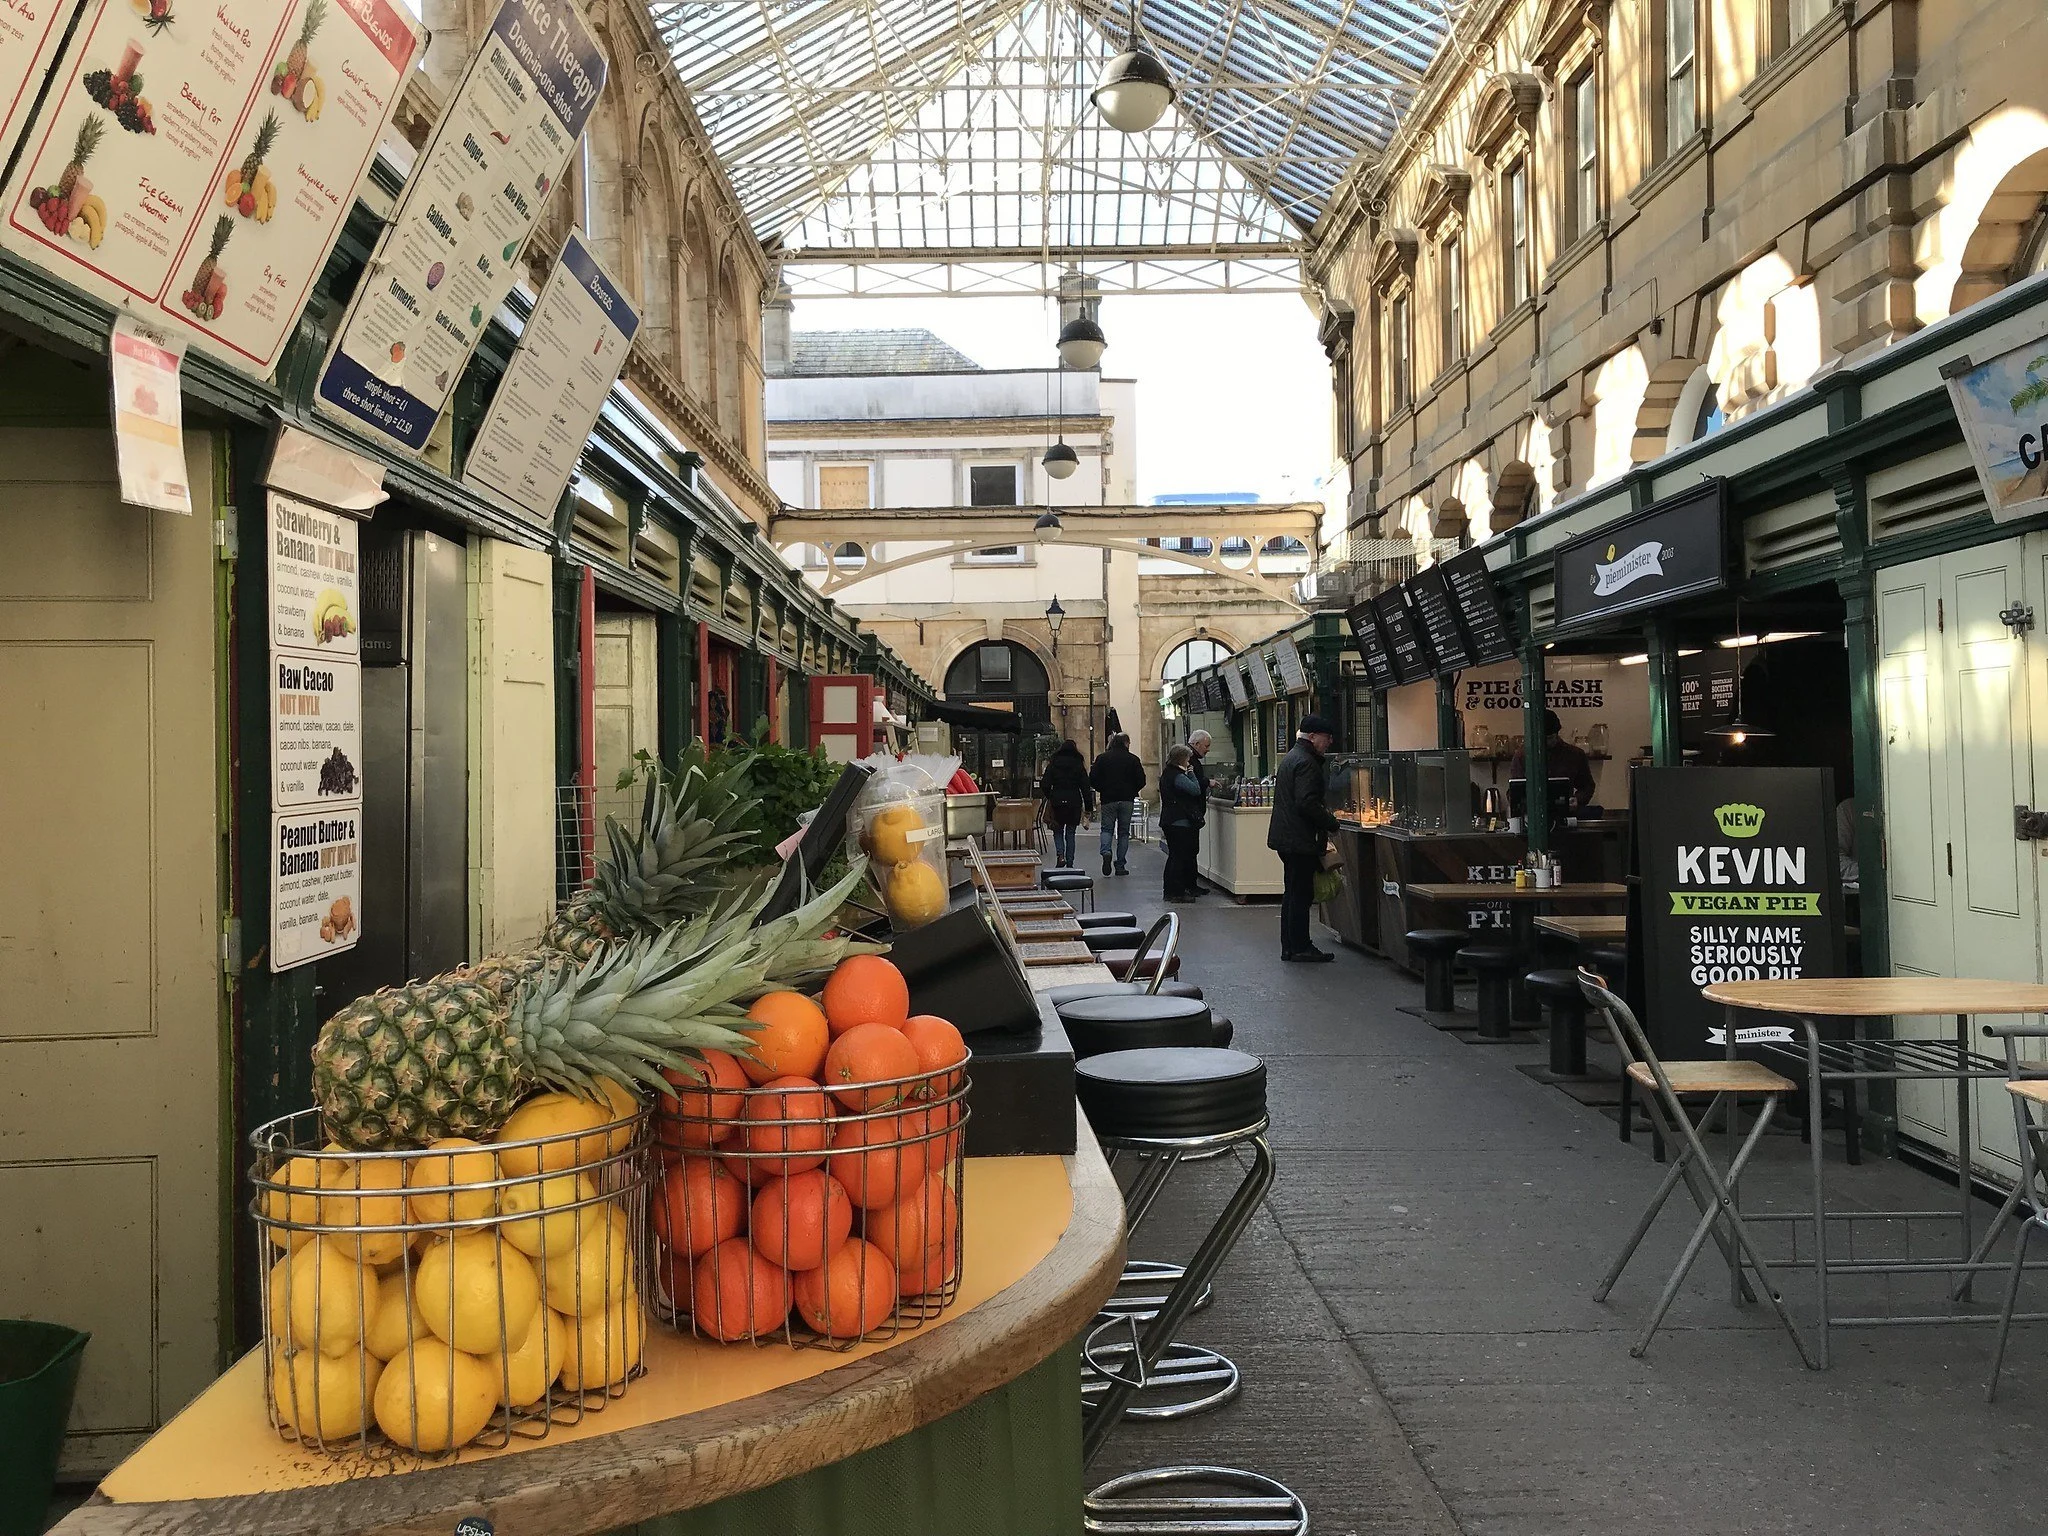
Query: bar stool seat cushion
[(1099, 939), (1171, 1092), (1222, 1032), (1490, 957), (1558, 987), (1066, 880), (1610, 961), (1109, 919), (1437, 941), (1121, 961), (1079, 989), (1132, 1021)]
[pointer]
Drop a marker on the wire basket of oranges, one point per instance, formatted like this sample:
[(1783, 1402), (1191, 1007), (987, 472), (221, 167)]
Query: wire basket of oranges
[(810, 1193), (416, 1301)]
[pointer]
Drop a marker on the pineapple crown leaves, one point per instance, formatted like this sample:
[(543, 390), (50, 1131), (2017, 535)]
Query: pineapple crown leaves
[(91, 129), (680, 858), (266, 136), (222, 228), (316, 13)]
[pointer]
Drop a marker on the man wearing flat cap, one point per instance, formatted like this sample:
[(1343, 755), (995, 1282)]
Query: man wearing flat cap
[(1299, 830)]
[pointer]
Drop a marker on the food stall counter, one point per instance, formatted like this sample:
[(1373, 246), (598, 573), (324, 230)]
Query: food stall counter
[(1233, 854)]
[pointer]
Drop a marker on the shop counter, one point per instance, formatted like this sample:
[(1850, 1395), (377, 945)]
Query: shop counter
[(978, 1410), (1400, 858), (1233, 855)]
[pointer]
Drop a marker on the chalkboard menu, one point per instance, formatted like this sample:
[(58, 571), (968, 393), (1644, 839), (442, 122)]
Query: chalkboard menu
[(1706, 694), (1487, 635), (1406, 643), (1219, 697), (1431, 597), (1287, 657), (1262, 677), (1372, 645), (1233, 680)]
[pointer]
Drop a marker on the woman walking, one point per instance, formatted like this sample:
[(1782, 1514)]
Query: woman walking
[(1182, 809), (1064, 789)]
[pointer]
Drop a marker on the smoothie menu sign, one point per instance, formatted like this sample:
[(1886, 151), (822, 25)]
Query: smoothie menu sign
[(194, 163), (1738, 883), (451, 252), (31, 31)]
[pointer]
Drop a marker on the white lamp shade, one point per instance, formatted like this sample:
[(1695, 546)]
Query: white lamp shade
[(1047, 531), (1060, 461), (1082, 343), (1134, 92)]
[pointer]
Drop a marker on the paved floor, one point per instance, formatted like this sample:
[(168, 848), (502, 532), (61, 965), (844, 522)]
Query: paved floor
[(1414, 1316)]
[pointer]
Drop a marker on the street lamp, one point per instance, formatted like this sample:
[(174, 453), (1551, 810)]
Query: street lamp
[(1047, 529), (1081, 343), (1060, 461), (1134, 91), (1055, 616)]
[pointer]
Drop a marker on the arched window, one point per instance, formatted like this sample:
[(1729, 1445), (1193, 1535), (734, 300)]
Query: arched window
[(1698, 412), (1000, 669), (657, 268), (729, 350), (1191, 656), (696, 303)]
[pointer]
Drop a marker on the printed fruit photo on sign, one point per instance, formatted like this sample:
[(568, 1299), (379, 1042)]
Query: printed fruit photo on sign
[(296, 80), (69, 207), (207, 298), (249, 189), (119, 90)]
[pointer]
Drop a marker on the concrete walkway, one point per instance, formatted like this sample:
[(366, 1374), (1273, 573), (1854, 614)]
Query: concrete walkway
[(1414, 1315)]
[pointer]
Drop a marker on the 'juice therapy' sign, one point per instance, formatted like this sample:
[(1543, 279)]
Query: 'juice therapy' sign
[(1738, 883), (2002, 406)]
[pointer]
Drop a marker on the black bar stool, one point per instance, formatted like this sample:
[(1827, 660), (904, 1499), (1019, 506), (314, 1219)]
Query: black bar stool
[(1165, 1104), (1495, 966), (1080, 989), (1072, 884), (1099, 939), (1438, 948), (1108, 920), (1564, 1005)]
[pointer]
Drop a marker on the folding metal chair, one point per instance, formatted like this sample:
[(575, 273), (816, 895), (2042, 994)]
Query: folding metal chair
[(2027, 1088), (1665, 1086)]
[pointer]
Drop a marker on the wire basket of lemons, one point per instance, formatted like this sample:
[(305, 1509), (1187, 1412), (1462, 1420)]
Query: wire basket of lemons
[(465, 1293)]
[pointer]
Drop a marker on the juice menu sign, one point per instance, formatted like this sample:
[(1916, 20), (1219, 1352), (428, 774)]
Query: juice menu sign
[(1739, 883), (451, 252), (30, 33), (195, 161)]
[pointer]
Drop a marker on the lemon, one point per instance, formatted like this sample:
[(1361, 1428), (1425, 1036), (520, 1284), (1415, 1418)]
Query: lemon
[(464, 1163), (621, 1104), (304, 1210), (433, 1398), (534, 1364), (597, 1269), (601, 1349), (889, 834), (915, 893), (324, 1397), (388, 1330), (476, 1293), (552, 1114), (558, 1198), (321, 1299), (382, 1204)]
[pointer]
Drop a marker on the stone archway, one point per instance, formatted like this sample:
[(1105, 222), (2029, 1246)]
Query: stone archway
[(2007, 232), (1658, 415)]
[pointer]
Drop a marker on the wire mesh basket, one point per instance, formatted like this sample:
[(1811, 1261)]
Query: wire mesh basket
[(465, 1294), (790, 1213)]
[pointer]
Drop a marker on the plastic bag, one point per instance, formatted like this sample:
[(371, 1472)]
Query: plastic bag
[(900, 823)]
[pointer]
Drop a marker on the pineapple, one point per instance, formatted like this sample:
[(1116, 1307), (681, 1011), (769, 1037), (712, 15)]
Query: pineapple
[(259, 151), (452, 1057), (295, 61), (204, 276), (90, 130)]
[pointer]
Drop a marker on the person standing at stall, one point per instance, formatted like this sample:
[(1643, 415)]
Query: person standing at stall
[(1116, 778), (1298, 831), (1064, 789), (1561, 760), (1198, 749), (1182, 809)]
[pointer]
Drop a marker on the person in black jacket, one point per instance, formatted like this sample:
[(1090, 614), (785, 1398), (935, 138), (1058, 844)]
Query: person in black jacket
[(1117, 777), (1198, 745), (1182, 808), (1064, 789), (1298, 831)]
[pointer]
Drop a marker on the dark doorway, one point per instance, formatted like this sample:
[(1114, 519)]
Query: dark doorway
[(1003, 675)]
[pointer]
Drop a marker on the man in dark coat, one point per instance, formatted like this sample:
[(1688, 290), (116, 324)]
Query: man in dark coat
[(1182, 809), (1116, 778), (1198, 748), (1299, 831)]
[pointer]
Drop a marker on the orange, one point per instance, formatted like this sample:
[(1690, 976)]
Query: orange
[(930, 1271), (929, 1127), (737, 1294), (873, 1172), (787, 1121), (697, 1206), (866, 989), (800, 1219), (870, 1054), (924, 1222), (791, 1039), (850, 1294), (939, 1046), (702, 1112)]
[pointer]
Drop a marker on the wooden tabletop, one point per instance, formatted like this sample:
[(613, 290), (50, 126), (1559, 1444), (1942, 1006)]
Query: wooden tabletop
[(1585, 890), (1870, 997), (1594, 929), (702, 1427)]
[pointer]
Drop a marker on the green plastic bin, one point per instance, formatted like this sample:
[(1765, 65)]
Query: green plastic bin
[(38, 1373)]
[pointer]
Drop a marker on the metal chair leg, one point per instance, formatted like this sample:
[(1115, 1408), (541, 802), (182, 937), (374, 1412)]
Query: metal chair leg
[(2012, 1296)]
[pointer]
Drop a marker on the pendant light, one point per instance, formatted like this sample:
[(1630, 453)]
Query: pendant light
[(1081, 343), (1134, 91), (1060, 461), (1047, 529), (1739, 730)]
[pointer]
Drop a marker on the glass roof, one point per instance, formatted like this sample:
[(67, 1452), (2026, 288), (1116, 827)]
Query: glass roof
[(914, 126)]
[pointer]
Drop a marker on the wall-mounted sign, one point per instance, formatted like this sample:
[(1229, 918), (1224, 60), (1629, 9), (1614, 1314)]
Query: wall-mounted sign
[(149, 416), (1287, 657), (1216, 696), (1262, 675), (315, 605), (451, 252), (574, 345), (1488, 637), (316, 729), (316, 885), (1739, 883), (197, 162), (1706, 694), (31, 31), (2002, 407), (1674, 549), (1406, 645), (1364, 622), (1430, 595), (1234, 684)]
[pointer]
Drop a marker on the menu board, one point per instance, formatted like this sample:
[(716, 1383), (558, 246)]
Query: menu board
[(570, 355), (197, 162), (1406, 646), (1430, 594), (451, 252), (316, 885), (1217, 697), (1372, 644), (1488, 637), (1287, 657), (1262, 677), (1233, 681), (31, 31)]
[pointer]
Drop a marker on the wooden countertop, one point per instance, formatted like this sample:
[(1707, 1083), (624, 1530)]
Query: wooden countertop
[(1594, 929), (1880, 996), (1585, 890), (1045, 1243)]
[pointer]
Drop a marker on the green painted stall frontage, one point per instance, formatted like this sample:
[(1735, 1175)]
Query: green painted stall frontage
[(1008, 1464)]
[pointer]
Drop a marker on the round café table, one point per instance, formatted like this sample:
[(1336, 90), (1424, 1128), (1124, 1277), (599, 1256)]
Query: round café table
[(1856, 1059)]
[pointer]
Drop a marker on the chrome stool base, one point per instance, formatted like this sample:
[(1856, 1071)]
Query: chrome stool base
[(1194, 1501), (1145, 1305), (1161, 1391)]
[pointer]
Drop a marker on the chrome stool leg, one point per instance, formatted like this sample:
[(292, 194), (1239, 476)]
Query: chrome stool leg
[(1194, 1501), (1145, 1303)]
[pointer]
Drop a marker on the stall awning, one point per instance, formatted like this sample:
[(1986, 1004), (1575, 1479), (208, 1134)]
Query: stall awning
[(974, 717)]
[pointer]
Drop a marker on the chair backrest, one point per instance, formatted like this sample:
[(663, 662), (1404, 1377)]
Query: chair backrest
[(1622, 1024)]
